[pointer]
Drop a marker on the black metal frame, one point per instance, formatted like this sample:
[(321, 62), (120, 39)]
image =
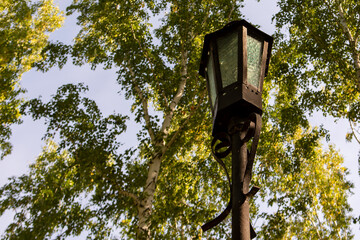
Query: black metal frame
[(240, 98)]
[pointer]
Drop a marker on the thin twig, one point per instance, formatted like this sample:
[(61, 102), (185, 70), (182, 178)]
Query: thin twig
[(354, 131), (144, 103)]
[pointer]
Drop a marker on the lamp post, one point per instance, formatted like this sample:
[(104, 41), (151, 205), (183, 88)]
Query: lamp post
[(234, 62)]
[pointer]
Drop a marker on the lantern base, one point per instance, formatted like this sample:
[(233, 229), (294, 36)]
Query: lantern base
[(238, 100), (240, 109)]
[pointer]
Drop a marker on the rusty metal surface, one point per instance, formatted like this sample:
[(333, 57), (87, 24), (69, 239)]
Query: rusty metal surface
[(241, 131)]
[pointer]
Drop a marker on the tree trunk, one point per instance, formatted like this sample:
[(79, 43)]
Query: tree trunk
[(145, 207)]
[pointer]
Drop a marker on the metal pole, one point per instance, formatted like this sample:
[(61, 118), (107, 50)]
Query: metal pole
[(240, 208), (240, 131)]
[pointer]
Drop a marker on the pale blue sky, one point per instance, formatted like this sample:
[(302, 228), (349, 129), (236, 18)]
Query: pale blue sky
[(103, 88)]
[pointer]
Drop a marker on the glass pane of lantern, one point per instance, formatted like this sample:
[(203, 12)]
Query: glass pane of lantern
[(228, 58), (254, 51), (211, 77)]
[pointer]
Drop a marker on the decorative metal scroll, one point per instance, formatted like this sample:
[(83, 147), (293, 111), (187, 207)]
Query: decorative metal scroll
[(225, 141), (250, 128)]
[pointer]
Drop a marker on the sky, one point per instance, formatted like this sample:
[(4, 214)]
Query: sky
[(27, 137)]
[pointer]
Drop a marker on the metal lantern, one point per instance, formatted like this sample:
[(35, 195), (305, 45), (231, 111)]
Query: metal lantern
[(234, 62)]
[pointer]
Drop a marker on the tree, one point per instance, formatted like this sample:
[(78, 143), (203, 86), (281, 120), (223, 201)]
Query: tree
[(23, 32), (305, 185), (324, 67), (320, 68), (168, 185)]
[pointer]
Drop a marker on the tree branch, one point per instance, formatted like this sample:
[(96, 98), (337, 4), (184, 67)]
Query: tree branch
[(353, 43), (178, 131), (144, 103), (168, 117), (130, 195), (354, 131), (142, 49), (232, 10)]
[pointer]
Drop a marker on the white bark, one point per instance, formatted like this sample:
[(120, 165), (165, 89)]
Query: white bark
[(145, 206), (168, 117)]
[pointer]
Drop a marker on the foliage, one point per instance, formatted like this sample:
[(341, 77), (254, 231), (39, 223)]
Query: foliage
[(23, 35), (168, 185), (320, 56), (316, 63), (65, 192), (305, 187)]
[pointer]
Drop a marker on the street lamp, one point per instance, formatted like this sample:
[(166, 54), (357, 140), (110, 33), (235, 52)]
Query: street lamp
[(234, 62)]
